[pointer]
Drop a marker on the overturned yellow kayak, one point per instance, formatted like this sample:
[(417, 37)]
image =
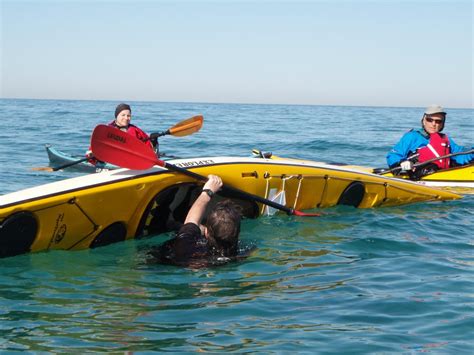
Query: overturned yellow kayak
[(99, 209)]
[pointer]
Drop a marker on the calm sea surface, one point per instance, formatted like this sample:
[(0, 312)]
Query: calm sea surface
[(353, 281)]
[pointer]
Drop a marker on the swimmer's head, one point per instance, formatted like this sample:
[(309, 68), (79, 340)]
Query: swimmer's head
[(223, 227)]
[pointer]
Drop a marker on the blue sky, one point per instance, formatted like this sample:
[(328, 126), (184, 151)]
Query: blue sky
[(381, 53)]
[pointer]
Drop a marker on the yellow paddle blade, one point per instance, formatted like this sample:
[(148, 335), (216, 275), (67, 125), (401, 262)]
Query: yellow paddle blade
[(187, 127), (47, 168), (42, 168)]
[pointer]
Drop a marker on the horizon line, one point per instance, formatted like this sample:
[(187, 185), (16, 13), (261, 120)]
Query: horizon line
[(227, 103)]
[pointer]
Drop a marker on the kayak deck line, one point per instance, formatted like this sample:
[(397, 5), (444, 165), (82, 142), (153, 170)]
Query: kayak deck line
[(326, 178)]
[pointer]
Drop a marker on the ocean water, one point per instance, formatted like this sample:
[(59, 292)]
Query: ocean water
[(352, 281)]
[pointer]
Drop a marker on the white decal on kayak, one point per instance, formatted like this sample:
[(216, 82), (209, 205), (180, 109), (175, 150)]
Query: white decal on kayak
[(187, 164)]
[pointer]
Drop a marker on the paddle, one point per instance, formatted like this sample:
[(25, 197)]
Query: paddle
[(116, 147), (181, 129), (382, 171)]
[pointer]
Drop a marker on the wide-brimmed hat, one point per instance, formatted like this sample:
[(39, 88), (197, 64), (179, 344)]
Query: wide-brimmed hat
[(431, 110)]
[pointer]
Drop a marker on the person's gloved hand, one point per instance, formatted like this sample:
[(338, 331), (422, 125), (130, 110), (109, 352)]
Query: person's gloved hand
[(91, 157), (406, 165), (154, 136)]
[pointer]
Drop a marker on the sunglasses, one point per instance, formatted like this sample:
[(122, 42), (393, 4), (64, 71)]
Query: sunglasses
[(431, 120)]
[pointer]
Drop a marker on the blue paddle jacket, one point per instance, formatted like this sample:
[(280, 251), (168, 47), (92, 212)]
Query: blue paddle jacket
[(415, 139)]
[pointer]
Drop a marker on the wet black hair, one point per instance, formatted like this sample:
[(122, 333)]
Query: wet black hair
[(223, 227)]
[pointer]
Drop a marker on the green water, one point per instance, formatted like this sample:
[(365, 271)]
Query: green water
[(351, 281)]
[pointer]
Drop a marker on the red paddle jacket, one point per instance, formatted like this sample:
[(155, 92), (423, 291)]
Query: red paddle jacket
[(136, 132), (133, 131)]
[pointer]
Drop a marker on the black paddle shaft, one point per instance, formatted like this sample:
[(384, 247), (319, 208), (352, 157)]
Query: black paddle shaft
[(70, 164), (246, 195), (159, 134), (382, 171)]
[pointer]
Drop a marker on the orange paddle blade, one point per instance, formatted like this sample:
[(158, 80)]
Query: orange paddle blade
[(187, 127), (42, 168)]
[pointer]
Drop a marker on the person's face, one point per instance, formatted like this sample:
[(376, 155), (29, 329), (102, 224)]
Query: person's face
[(434, 123), (123, 118)]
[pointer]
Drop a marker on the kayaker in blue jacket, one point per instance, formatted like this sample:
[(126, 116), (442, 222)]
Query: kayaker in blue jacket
[(198, 245), (427, 143)]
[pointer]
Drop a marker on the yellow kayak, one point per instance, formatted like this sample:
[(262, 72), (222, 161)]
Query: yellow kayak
[(459, 176), (99, 209), (459, 179)]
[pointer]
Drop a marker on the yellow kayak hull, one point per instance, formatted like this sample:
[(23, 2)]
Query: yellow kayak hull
[(458, 174), (459, 179), (99, 209)]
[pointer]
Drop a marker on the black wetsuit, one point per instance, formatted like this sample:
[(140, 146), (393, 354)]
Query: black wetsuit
[(188, 244), (189, 248)]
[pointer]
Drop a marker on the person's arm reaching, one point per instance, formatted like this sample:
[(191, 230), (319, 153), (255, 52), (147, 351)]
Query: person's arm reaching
[(198, 208)]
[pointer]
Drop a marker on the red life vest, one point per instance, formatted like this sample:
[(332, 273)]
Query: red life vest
[(132, 130), (135, 132), (437, 146)]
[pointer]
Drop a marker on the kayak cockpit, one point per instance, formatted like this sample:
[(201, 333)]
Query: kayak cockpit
[(167, 211)]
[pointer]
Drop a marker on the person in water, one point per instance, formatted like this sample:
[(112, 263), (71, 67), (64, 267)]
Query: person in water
[(199, 245), (123, 116), (426, 143)]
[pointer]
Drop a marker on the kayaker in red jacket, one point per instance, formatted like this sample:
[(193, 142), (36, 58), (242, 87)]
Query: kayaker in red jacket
[(123, 116)]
